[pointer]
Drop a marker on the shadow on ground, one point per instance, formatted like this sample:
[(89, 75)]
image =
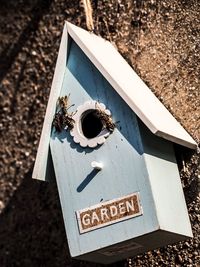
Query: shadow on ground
[(32, 229)]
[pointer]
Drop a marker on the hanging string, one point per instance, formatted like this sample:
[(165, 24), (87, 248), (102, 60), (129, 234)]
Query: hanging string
[(88, 14)]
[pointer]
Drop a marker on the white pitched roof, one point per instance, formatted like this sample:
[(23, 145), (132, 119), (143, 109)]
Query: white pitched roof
[(40, 167), (123, 79), (130, 86)]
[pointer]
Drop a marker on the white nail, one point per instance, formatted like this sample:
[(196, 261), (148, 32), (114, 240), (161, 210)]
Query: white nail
[(97, 165)]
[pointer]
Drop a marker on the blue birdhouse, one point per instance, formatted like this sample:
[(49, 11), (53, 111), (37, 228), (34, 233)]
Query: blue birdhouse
[(109, 141)]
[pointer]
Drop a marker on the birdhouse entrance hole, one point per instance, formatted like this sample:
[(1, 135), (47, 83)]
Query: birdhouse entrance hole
[(88, 129), (91, 124)]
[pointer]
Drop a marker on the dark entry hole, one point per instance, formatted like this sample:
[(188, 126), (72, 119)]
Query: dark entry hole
[(91, 124)]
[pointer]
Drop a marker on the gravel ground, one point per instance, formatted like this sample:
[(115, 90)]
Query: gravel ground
[(160, 39)]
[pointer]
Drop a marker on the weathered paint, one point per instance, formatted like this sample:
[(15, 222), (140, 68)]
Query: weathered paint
[(165, 183), (125, 170), (79, 185)]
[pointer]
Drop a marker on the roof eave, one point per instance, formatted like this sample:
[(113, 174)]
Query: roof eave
[(41, 162)]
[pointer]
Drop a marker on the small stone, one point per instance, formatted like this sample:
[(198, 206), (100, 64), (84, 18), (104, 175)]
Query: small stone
[(180, 258), (27, 153), (33, 53), (2, 206)]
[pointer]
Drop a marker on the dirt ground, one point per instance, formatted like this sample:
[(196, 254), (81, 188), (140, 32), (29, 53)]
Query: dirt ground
[(160, 39)]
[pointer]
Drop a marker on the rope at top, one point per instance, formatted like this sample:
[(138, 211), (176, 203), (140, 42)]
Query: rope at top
[(88, 14)]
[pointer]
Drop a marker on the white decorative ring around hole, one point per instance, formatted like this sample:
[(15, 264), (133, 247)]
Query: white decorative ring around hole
[(88, 129)]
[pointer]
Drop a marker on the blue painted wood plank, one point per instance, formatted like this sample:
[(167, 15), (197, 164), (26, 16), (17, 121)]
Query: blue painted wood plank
[(124, 167), (165, 183)]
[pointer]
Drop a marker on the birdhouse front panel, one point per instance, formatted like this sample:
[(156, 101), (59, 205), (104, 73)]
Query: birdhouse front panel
[(105, 191)]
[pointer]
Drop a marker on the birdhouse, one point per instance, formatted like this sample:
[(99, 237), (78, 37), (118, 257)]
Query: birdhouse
[(109, 141)]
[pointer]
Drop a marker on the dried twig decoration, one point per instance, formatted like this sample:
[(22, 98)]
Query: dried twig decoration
[(63, 118)]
